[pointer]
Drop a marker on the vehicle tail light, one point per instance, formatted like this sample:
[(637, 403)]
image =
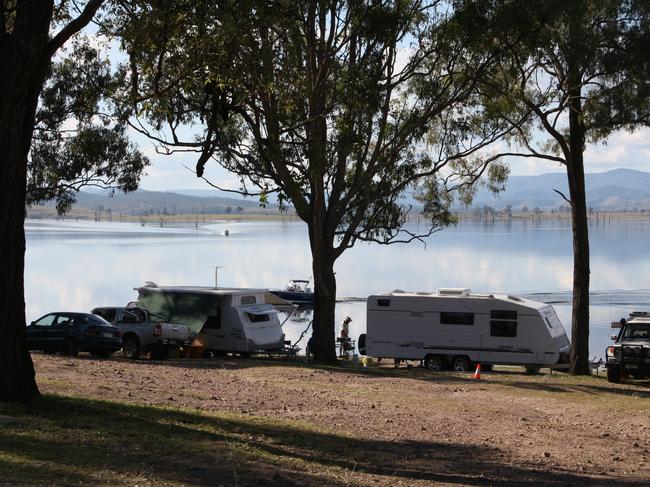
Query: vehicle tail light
[(157, 331), (91, 332)]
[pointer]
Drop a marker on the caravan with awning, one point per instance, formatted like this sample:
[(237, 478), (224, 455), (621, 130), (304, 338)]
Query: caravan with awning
[(235, 320)]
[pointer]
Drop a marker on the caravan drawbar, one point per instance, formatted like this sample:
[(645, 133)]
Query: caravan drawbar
[(453, 328)]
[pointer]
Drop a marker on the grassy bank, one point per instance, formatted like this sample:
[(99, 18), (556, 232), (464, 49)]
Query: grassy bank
[(62, 440), (278, 423)]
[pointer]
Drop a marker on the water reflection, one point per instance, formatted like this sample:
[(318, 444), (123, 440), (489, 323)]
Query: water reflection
[(79, 265)]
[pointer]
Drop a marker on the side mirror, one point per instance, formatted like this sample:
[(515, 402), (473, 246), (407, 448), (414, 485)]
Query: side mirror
[(32, 323), (613, 337)]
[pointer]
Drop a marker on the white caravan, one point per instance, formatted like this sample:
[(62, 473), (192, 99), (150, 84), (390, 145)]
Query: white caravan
[(455, 328), (223, 319)]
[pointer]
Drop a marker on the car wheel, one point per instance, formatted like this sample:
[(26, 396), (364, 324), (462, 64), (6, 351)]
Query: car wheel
[(460, 364), (131, 347), (71, 348), (435, 363), (613, 374)]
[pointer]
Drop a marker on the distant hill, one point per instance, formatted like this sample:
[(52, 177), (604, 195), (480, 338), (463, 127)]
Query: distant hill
[(618, 189), (143, 202)]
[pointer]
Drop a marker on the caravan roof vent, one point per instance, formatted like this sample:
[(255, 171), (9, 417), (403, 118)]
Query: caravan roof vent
[(398, 291), (150, 284), (514, 298), (454, 291), (422, 293)]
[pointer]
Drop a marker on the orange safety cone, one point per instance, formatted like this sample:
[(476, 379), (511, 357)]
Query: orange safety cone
[(477, 374)]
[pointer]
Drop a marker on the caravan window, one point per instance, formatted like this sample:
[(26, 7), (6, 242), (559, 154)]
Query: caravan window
[(451, 318), (503, 323), (248, 300), (257, 318), (502, 314)]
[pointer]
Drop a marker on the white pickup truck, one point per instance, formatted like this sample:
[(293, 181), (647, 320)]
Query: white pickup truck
[(144, 332)]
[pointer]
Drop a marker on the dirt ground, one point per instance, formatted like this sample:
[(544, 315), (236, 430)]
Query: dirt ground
[(404, 427)]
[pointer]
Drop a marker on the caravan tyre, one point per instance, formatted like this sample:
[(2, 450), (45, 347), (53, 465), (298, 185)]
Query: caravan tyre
[(160, 353), (362, 344), (434, 362), (532, 370), (460, 364)]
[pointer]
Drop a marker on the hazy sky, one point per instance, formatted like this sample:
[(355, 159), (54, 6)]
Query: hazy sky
[(623, 150)]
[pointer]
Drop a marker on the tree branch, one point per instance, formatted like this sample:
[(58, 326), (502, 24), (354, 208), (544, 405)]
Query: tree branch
[(71, 29)]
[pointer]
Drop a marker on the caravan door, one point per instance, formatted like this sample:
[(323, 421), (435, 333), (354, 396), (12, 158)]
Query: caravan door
[(261, 327)]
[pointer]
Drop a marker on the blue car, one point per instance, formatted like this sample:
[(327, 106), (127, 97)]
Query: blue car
[(72, 333)]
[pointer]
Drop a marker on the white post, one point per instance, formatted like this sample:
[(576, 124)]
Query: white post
[(216, 277)]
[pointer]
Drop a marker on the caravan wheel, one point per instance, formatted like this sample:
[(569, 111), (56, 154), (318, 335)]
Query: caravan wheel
[(460, 364), (434, 362)]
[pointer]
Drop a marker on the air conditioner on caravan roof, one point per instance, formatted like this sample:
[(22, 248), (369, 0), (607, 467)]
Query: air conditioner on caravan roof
[(454, 291)]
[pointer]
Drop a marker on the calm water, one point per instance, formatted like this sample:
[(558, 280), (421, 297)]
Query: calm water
[(79, 265)]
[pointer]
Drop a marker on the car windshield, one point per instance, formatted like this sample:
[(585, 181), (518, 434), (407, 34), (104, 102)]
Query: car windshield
[(93, 319), (637, 330)]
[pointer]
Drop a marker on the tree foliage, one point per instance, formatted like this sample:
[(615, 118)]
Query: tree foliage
[(569, 74), (31, 35), (78, 141), (339, 107)]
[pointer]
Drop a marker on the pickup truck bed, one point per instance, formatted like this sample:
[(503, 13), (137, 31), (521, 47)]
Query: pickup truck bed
[(144, 332)]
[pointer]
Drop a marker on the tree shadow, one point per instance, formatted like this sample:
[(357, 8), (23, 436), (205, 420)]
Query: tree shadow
[(561, 383), (636, 389), (72, 439)]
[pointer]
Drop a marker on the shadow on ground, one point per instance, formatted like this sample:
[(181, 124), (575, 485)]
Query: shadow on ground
[(74, 441)]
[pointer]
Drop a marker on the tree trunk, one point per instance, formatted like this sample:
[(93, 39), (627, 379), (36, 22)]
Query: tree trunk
[(321, 243), (21, 80), (17, 382), (580, 312), (579, 359), (324, 307)]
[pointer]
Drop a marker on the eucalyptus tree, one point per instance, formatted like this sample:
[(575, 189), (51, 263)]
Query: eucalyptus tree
[(32, 33), (575, 72), (78, 142), (338, 107)]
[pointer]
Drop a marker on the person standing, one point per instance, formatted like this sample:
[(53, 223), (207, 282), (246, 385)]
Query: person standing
[(345, 336)]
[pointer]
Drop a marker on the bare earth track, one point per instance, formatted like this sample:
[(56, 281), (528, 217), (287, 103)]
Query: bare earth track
[(387, 427)]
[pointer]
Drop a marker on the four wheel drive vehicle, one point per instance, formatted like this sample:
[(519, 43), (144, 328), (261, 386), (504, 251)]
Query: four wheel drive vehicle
[(72, 333), (144, 332), (630, 354)]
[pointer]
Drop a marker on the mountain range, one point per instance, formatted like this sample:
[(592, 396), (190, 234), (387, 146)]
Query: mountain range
[(143, 202), (618, 189)]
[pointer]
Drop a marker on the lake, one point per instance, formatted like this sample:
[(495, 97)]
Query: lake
[(77, 265)]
